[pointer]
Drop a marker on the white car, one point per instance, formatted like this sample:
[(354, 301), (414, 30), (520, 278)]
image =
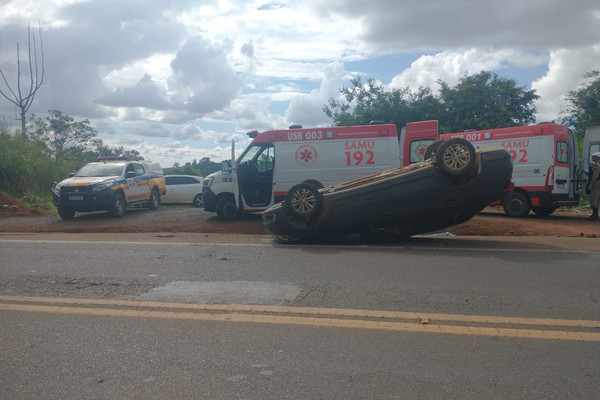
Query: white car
[(183, 189)]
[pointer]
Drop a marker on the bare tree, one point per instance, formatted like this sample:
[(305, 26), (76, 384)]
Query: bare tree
[(23, 93)]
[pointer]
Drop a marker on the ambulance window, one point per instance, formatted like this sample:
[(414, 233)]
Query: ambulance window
[(562, 154), (266, 159), (417, 150)]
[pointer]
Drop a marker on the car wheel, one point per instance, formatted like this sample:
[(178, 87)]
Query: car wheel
[(516, 205), (66, 213), (197, 202), (455, 157), (227, 209), (154, 201), (118, 207), (303, 200), (431, 149), (543, 211)]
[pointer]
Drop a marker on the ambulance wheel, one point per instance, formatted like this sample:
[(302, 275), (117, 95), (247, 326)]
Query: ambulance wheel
[(516, 205), (543, 211), (431, 149), (455, 157), (66, 213), (303, 200), (118, 207), (197, 202), (227, 210)]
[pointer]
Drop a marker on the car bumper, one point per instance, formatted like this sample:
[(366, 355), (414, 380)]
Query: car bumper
[(84, 201)]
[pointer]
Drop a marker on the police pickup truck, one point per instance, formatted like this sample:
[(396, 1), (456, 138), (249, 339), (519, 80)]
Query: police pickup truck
[(111, 184)]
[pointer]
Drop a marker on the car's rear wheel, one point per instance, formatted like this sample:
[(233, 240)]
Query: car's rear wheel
[(197, 202), (154, 201), (516, 205), (118, 206), (66, 213), (303, 200), (227, 210), (455, 157)]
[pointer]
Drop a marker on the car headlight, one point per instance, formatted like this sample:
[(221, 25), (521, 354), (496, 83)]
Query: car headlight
[(56, 188), (207, 182), (98, 187)]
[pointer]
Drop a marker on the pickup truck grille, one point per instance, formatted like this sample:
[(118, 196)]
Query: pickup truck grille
[(74, 189)]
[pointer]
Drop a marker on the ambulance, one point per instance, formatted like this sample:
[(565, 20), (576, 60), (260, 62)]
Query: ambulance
[(276, 160), (590, 146), (545, 165)]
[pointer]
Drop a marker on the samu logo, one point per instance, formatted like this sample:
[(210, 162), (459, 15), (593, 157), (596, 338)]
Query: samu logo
[(306, 155)]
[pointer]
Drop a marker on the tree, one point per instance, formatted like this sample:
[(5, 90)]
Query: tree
[(363, 103), (583, 104), (485, 101), (22, 94), (108, 151), (64, 136)]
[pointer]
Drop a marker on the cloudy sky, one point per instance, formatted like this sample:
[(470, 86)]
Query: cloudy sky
[(178, 80)]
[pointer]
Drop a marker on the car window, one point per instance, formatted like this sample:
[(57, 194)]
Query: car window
[(139, 169), (100, 170)]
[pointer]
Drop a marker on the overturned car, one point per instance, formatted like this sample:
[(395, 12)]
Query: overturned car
[(454, 183)]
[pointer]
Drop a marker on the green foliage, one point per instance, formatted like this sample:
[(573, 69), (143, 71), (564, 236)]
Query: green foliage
[(368, 102), (26, 167), (477, 102), (65, 138), (583, 104), (485, 101)]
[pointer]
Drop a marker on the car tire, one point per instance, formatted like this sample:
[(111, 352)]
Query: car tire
[(516, 205), (154, 201), (303, 200), (118, 206), (432, 149), (455, 157), (66, 213), (543, 211), (227, 209), (197, 202)]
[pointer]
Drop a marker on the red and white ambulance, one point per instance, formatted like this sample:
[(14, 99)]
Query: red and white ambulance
[(277, 160), (545, 165)]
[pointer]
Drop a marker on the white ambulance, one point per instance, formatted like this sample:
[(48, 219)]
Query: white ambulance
[(590, 146), (545, 165), (277, 160)]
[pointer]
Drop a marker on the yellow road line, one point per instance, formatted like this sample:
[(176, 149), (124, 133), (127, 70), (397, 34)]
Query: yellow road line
[(263, 314)]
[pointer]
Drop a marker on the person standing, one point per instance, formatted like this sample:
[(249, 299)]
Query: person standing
[(594, 187)]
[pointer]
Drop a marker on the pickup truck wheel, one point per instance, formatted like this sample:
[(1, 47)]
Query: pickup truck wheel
[(303, 200), (516, 205), (118, 207), (154, 201), (227, 210), (197, 202), (66, 213), (455, 157)]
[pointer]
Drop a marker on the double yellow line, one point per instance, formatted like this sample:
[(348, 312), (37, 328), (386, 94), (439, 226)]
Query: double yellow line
[(528, 328)]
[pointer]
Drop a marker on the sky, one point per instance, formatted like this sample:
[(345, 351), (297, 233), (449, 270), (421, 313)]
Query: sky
[(179, 80)]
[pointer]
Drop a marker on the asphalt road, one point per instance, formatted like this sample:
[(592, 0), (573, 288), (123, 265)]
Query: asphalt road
[(239, 317)]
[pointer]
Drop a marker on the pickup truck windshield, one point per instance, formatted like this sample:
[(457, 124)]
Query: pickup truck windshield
[(100, 170)]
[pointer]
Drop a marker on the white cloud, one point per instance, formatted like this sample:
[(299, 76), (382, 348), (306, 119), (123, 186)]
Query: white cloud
[(182, 78)]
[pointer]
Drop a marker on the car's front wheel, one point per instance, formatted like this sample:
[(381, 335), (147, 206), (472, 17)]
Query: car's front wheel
[(303, 200), (118, 206), (66, 213), (456, 157)]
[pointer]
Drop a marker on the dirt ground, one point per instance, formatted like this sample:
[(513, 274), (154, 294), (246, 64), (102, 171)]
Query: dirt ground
[(16, 217)]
